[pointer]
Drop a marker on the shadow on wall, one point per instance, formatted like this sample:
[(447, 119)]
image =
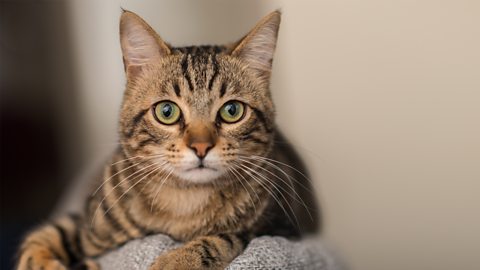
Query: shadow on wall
[(39, 114)]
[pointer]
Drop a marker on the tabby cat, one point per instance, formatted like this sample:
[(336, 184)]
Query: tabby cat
[(200, 159)]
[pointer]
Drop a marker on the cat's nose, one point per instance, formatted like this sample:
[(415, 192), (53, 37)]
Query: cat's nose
[(201, 148), (200, 138)]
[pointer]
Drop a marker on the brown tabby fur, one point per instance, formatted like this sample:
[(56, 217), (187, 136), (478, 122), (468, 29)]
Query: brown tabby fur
[(141, 190)]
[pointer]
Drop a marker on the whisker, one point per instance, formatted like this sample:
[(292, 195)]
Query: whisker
[(275, 197), (108, 179), (110, 192), (152, 178), (281, 163), (275, 186), (136, 164), (247, 182), (270, 162), (126, 159), (249, 195), (299, 200), (130, 188)]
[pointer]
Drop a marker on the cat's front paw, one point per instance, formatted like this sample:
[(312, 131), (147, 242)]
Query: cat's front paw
[(174, 260), (181, 259), (43, 259), (37, 259)]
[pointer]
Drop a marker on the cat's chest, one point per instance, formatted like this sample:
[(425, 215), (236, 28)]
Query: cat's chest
[(183, 203), (187, 213)]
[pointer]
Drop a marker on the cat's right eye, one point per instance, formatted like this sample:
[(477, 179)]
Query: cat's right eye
[(167, 112)]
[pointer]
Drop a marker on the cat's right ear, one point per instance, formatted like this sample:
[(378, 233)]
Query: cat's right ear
[(141, 45)]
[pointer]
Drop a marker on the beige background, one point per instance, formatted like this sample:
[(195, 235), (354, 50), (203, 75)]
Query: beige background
[(382, 98)]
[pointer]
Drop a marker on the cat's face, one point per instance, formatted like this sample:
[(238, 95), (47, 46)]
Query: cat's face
[(195, 112)]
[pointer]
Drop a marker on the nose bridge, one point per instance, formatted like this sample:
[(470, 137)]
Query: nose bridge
[(199, 132), (201, 137)]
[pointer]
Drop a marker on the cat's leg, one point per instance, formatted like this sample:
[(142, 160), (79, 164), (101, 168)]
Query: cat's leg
[(205, 252), (55, 245)]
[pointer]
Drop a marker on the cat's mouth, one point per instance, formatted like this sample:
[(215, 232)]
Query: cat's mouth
[(200, 168), (200, 173)]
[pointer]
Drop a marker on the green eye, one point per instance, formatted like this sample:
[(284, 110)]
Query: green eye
[(167, 112), (232, 111)]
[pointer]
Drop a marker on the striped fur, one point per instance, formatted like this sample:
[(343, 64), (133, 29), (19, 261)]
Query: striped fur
[(249, 183)]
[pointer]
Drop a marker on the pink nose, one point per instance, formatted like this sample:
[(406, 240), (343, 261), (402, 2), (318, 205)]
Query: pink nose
[(201, 148)]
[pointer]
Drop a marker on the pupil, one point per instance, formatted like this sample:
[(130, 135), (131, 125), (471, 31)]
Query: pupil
[(167, 110), (231, 109)]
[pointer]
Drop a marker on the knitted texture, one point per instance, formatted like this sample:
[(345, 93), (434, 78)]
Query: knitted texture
[(265, 252)]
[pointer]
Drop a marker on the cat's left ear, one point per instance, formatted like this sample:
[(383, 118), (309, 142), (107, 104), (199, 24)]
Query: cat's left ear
[(141, 45), (258, 46)]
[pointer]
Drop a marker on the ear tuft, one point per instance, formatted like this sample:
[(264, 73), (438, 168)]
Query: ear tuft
[(258, 46), (140, 44)]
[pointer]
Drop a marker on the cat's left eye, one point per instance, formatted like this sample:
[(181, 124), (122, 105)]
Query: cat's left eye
[(167, 112), (232, 111)]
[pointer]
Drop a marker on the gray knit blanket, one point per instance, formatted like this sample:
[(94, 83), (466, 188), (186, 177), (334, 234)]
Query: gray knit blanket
[(265, 252)]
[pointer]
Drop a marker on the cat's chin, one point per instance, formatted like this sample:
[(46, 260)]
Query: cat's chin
[(199, 175)]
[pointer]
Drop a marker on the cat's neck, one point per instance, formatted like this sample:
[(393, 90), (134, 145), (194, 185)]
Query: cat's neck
[(180, 201)]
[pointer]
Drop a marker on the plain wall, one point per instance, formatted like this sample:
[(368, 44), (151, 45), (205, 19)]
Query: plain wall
[(381, 98)]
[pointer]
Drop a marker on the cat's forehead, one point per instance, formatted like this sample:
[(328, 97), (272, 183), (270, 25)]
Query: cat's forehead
[(200, 50), (199, 65), (201, 73)]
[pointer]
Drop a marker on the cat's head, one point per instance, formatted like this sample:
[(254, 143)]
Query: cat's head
[(196, 111)]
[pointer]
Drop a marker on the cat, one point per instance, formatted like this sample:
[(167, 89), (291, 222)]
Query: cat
[(200, 159)]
